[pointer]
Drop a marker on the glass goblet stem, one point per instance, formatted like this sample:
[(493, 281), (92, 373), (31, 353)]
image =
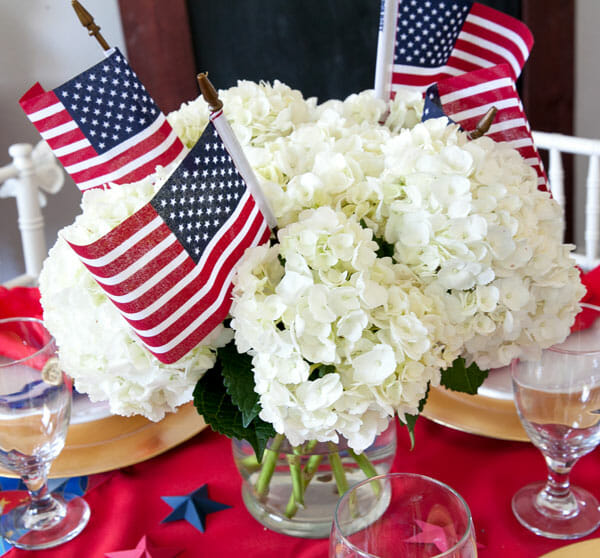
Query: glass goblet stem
[(556, 499), (43, 511)]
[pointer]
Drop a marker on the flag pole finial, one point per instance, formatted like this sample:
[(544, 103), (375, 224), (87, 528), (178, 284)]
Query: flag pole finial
[(88, 21), (484, 124), (209, 92)]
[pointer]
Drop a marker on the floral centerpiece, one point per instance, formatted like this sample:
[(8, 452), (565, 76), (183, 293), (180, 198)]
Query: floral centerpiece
[(406, 256)]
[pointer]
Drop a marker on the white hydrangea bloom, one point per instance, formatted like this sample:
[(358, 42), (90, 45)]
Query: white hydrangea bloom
[(468, 219), (381, 338)]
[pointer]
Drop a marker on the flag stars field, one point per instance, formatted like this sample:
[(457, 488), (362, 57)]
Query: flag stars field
[(206, 211)]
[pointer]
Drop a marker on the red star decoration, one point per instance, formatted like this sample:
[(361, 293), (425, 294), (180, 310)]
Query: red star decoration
[(144, 549)]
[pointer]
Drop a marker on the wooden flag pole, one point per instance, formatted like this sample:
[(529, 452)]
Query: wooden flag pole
[(484, 124), (209, 92), (88, 21)]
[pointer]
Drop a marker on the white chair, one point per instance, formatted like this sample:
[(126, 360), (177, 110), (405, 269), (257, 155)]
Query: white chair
[(32, 172), (587, 257)]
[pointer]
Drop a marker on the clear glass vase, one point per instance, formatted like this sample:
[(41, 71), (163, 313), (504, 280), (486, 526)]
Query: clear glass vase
[(295, 490)]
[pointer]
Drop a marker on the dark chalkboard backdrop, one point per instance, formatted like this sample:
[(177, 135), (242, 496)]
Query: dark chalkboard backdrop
[(325, 48)]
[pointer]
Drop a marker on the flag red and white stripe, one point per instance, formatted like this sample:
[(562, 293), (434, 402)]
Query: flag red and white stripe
[(170, 302), (128, 162), (467, 98)]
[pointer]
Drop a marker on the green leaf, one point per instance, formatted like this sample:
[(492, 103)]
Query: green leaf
[(258, 437), (385, 248), (325, 369), (238, 378), (460, 378), (218, 410), (411, 420), (321, 371)]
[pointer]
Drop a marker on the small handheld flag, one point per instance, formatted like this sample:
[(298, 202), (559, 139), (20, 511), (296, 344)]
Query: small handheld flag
[(102, 125), (169, 267), (424, 41), (465, 99)]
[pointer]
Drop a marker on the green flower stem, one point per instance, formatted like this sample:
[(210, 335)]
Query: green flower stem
[(340, 478), (296, 474), (367, 468), (338, 469), (268, 466), (311, 468), (308, 472), (313, 462), (250, 462)]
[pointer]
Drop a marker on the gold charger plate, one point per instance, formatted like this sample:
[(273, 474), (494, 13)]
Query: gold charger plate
[(583, 549), (115, 442), (475, 414)]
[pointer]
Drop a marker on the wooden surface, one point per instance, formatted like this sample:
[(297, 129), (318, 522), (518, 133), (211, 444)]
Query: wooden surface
[(159, 49), (548, 79)]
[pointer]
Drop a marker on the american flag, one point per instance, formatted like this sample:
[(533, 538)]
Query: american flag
[(102, 125), (466, 98), (169, 267), (436, 39)]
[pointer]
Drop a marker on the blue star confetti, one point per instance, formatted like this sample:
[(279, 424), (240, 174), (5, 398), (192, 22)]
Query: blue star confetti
[(193, 507), (71, 485), (8, 483), (68, 487)]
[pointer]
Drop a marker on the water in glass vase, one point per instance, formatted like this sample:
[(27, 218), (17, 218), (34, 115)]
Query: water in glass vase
[(325, 471)]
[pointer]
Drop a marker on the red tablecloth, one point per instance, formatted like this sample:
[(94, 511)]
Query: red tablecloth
[(128, 504)]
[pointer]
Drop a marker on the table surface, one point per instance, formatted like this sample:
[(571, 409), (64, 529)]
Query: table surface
[(126, 504)]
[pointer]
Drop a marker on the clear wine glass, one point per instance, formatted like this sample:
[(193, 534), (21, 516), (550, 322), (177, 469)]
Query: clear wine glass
[(402, 514), (35, 407), (558, 401)]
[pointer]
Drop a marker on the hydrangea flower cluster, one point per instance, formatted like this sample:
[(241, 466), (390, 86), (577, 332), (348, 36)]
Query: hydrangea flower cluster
[(323, 296), (468, 219), (340, 337)]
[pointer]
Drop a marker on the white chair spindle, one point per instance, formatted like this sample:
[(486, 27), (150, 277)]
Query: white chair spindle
[(32, 172), (557, 144), (592, 210), (556, 176), (31, 222)]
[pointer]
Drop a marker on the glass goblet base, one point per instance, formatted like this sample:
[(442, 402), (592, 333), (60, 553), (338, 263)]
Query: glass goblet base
[(12, 525), (552, 525)]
